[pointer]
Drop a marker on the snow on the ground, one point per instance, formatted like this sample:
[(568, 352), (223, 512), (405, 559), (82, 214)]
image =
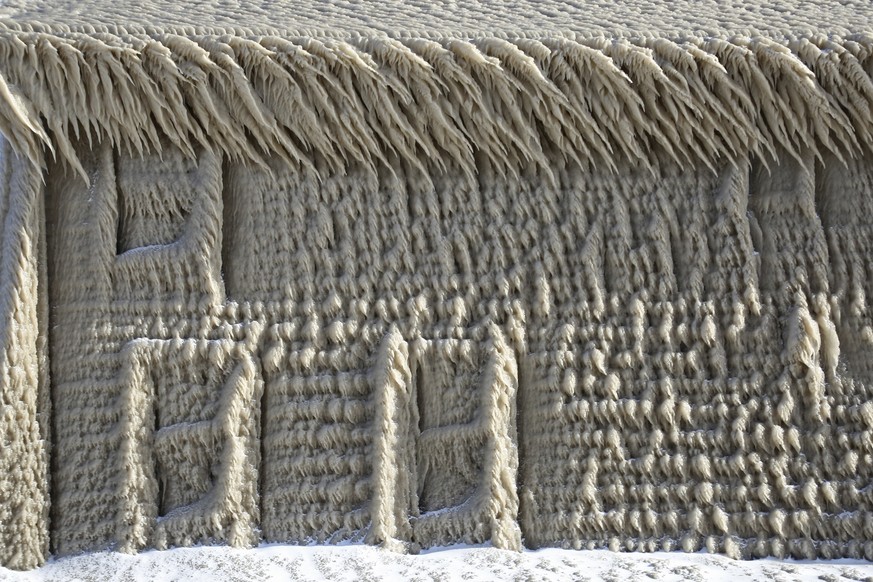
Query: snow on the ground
[(354, 563)]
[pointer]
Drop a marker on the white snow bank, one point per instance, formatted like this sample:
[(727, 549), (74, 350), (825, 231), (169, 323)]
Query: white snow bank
[(353, 563)]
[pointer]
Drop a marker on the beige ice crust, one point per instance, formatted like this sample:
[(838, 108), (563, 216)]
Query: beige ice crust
[(600, 285), (462, 17)]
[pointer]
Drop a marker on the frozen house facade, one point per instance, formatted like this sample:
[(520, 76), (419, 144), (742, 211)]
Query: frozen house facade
[(595, 285)]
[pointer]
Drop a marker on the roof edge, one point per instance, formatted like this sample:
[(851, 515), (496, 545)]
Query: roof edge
[(430, 104)]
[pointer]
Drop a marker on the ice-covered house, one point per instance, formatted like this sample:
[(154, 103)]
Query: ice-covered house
[(559, 274)]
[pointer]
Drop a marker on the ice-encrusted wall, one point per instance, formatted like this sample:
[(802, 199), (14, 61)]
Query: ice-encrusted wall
[(25, 405), (660, 361), (566, 290)]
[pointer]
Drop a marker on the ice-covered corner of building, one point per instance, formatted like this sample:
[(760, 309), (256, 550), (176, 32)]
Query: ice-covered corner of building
[(531, 291)]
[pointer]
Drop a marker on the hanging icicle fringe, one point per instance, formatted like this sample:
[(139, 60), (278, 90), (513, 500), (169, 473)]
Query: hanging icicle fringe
[(326, 103)]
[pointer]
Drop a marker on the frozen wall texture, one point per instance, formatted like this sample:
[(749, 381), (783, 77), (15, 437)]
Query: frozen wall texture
[(24, 384), (410, 291)]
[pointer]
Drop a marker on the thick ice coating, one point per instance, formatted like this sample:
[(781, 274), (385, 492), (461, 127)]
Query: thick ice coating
[(554, 289)]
